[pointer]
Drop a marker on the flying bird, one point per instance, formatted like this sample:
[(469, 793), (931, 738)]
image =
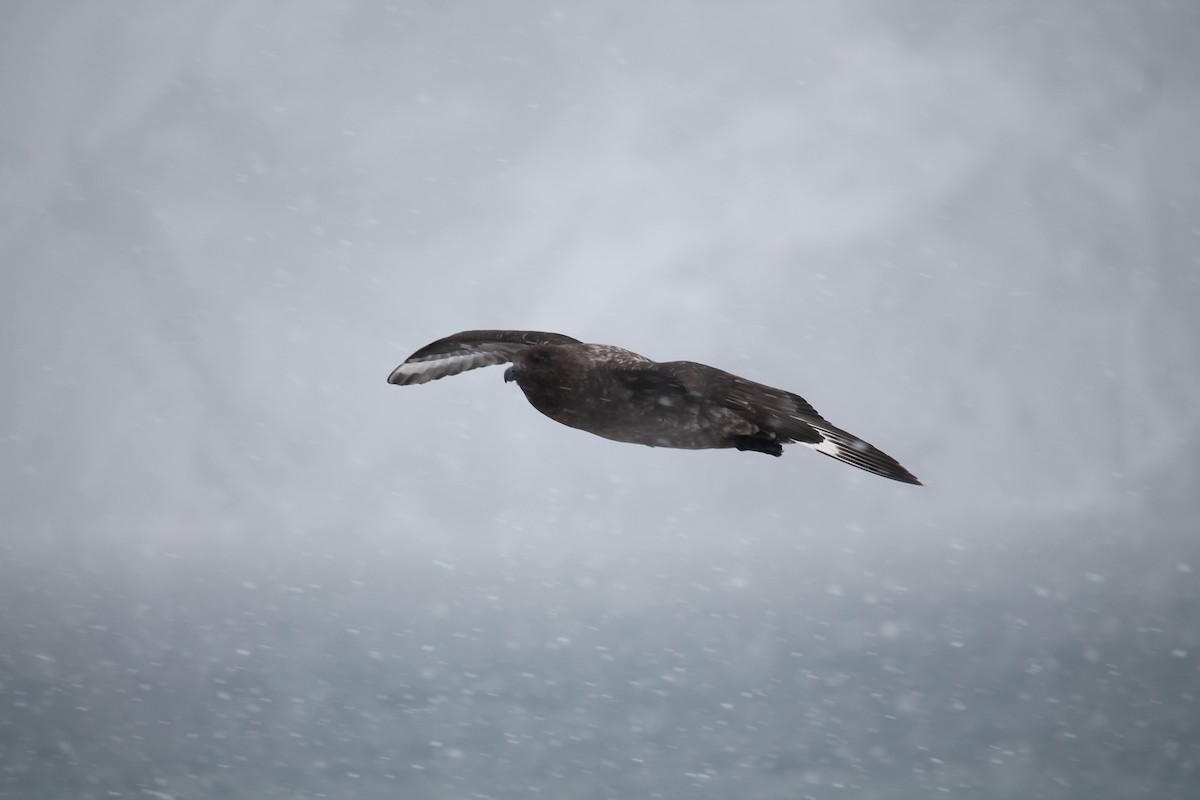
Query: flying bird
[(623, 396)]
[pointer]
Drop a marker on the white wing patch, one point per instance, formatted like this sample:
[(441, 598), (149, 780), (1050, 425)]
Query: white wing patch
[(838, 444), (825, 446), (432, 367), (851, 450)]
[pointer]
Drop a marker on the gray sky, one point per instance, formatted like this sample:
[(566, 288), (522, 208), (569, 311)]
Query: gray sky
[(965, 232)]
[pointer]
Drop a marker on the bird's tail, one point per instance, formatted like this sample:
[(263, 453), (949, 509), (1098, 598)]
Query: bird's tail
[(837, 443)]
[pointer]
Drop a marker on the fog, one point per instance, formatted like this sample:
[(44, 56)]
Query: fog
[(235, 563)]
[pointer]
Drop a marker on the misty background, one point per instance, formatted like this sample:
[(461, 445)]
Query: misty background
[(235, 563)]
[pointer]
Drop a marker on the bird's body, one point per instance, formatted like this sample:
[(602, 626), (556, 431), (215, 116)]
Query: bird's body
[(626, 397)]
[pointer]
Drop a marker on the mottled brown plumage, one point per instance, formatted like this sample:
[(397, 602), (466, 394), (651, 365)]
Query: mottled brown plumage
[(626, 397)]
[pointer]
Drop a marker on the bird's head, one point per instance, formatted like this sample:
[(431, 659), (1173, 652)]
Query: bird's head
[(532, 364)]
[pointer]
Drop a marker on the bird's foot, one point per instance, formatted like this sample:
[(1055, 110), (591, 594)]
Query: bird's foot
[(758, 445)]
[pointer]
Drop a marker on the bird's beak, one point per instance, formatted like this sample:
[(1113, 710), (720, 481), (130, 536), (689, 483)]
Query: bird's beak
[(513, 373)]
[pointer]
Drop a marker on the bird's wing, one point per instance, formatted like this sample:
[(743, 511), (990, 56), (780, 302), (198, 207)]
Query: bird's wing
[(789, 417), (780, 412), (468, 350), (848, 448)]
